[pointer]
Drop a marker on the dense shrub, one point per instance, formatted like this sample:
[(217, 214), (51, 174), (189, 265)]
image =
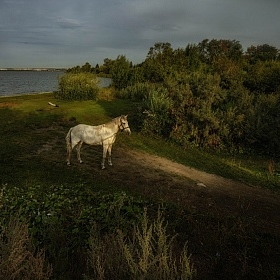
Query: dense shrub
[(210, 95), (81, 86), (137, 91), (157, 106), (217, 94)]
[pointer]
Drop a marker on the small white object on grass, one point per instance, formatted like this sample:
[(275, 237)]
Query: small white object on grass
[(201, 185), (52, 104)]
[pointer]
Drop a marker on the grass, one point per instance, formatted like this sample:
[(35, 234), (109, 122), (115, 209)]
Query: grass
[(252, 170), (62, 205), (19, 259), (147, 254), (34, 110)]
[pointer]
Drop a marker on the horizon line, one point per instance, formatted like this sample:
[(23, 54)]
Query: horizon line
[(31, 68)]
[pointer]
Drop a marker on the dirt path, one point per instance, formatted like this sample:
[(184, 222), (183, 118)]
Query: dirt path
[(218, 216), (156, 176)]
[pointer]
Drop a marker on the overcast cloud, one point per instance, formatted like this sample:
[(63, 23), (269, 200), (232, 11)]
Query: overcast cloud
[(66, 33)]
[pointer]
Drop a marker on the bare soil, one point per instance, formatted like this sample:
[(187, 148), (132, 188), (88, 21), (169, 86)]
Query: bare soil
[(157, 177), (232, 229)]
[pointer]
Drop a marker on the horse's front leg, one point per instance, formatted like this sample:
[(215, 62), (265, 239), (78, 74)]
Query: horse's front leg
[(109, 155), (79, 152), (105, 148)]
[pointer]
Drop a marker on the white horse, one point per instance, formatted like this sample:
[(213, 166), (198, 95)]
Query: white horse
[(104, 134)]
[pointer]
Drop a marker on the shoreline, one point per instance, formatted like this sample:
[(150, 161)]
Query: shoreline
[(35, 69), (27, 93)]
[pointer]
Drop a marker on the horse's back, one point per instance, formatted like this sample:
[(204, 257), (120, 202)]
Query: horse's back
[(87, 133)]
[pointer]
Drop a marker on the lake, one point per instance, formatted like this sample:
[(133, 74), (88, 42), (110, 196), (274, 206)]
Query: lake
[(26, 82)]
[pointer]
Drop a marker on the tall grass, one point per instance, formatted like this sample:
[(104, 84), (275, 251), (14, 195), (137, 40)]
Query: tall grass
[(82, 86), (18, 257), (136, 92), (148, 253), (158, 101)]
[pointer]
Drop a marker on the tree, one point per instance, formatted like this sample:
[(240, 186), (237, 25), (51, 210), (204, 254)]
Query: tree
[(214, 49), (107, 66), (158, 62), (261, 53), (86, 68), (120, 72), (264, 125), (74, 70), (162, 52), (194, 59), (263, 77)]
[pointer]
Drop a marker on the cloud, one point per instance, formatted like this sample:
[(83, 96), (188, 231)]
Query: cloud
[(68, 23), (67, 32)]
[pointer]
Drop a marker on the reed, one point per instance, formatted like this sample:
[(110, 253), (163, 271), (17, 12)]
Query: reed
[(81, 86)]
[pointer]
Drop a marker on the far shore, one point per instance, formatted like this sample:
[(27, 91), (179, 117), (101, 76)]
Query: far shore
[(27, 93), (33, 69)]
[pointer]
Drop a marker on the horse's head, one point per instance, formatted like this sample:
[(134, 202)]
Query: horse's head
[(123, 125)]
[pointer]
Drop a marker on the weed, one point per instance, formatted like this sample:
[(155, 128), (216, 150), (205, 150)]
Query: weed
[(19, 259), (148, 254)]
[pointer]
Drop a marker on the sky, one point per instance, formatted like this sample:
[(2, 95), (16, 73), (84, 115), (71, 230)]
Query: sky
[(67, 33)]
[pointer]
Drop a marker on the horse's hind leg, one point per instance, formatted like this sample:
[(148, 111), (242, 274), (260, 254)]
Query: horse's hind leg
[(105, 148), (109, 155), (79, 145), (69, 151)]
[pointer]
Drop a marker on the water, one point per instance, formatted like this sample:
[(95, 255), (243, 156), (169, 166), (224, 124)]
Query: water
[(26, 82)]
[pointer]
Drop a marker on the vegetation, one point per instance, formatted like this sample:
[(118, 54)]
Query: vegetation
[(210, 106), (80, 86), (219, 96), (69, 211), (19, 259), (147, 254)]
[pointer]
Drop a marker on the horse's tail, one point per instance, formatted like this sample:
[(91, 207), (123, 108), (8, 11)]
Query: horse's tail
[(69, 142)]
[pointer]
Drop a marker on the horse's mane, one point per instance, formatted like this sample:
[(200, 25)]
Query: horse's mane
[(114, 120)]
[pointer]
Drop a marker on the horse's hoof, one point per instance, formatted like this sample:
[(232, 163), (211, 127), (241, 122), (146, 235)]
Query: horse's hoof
[(80, 161), (103, 167), (68, 163)]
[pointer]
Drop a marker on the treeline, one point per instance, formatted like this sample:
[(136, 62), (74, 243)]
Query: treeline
[(211, 94)]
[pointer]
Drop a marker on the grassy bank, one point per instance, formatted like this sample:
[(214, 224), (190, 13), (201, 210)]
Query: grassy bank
[(33, 110), (71, 211)]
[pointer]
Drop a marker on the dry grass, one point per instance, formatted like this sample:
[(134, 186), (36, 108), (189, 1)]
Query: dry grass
[(18, 257), (148, 254), (271, 167), (107, 94)]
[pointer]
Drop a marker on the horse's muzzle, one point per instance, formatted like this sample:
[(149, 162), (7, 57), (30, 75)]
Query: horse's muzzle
[(127, 130)]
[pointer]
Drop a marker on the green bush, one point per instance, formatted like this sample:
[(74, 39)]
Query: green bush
[(157, 106), (138, 91), (81, 86)]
